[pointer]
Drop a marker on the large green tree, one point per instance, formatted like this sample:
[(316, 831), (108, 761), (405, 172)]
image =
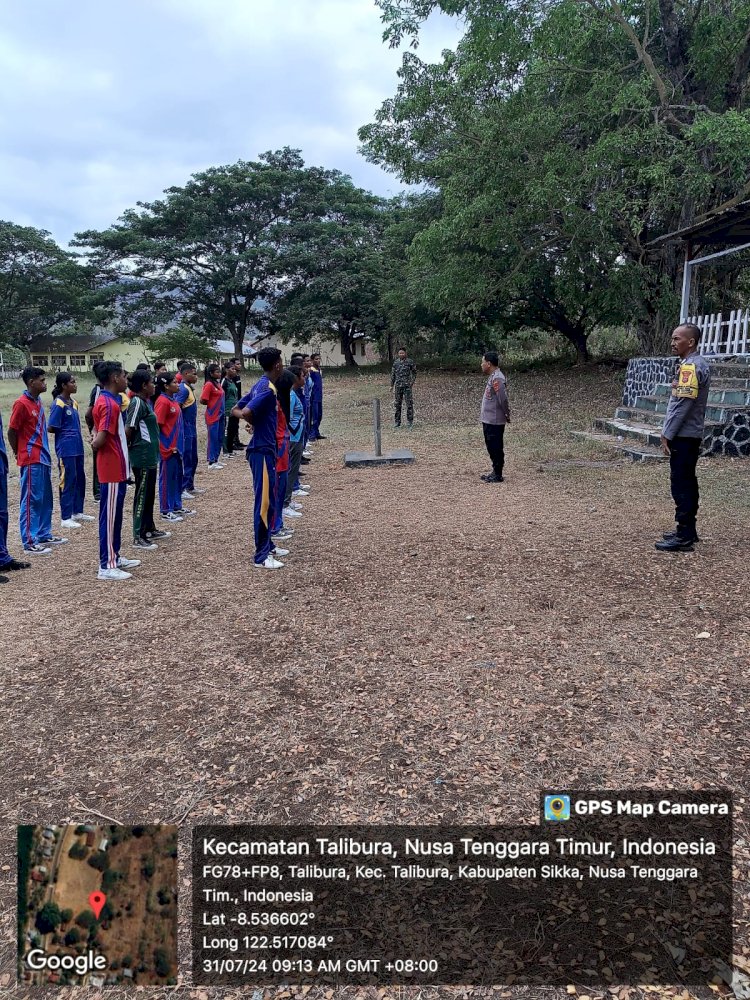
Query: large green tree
[(41, 286), (213, 252), (564, 136), (334, 272)]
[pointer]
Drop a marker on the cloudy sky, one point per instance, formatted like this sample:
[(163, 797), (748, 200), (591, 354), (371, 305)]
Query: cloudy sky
[(103, 104)]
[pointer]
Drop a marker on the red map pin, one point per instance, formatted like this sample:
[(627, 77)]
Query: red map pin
[(96, 902)]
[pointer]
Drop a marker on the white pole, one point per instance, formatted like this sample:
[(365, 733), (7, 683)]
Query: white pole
[(686, 278)]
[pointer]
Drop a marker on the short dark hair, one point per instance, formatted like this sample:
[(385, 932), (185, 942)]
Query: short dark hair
[(30, 372), (267, 357), (142, 367), (160, 363), (187, 366), (693, 331), (402, 348), (295, 354), (139, 378), (107, 369), (492, 357)]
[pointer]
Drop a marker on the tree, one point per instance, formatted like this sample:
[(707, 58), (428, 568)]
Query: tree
[(42, 286), (66, 916), (78, 851), (162, 965), (86, 919), (48, 918), (99, 860), (564, 136), (73, 936), (213, 251), (181, 342), (335, 272)]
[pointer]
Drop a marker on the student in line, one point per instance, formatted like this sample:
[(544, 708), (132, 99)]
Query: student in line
[(259, 408), (27, 436), (7, 562), (236, 443), (284, 394), (185, 397), (142, 433), (231, 396), (65, 424), (89, 419), (297, 433), (171, 446), (316, 398), (212, 398), (113, 470)]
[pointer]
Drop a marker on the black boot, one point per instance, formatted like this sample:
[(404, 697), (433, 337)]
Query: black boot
[(669, 536), (678, 543)]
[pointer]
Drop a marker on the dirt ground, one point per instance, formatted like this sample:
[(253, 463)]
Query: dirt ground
[(436, 648), (76, 879)]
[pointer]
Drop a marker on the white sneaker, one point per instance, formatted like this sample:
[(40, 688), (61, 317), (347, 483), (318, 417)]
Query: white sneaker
[(270, 563), (304, 486), (123, 563), (279, 552), (296, 506), (113, 574), (187, 495), (289, 512), (170, 516), (196, 492), (69, 523), (38, 550), (216, 465), (300, 493), (307, 454), (54, 540), (84, 517)]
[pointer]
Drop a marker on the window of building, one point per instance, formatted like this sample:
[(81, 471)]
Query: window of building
[(362, 348), (77, 360), (40, 360), (93, 358), (59, 360)]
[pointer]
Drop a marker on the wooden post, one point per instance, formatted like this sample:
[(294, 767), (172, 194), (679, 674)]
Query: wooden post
[(376, 426)]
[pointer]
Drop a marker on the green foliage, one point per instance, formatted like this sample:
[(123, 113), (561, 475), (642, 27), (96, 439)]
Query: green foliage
[(210, 251), (563, 138), (162, 964), (99, 860), (42, 285), (180, 342), (73, 936), (66, 916), (86, 919), (48, 918), (110, 878), (78, 851), (148, 865), (164, 896)]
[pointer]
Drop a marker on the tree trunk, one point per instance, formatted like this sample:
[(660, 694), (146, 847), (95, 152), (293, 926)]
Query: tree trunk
[(346, 345), (575, 333)]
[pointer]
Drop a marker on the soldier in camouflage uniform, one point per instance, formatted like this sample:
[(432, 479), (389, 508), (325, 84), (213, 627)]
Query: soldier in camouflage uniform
[(403, 376)]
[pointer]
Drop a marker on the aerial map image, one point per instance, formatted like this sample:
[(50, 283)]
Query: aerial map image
[(97, 905)]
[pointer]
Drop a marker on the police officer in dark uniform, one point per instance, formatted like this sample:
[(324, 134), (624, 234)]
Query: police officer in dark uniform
[(682, 435)]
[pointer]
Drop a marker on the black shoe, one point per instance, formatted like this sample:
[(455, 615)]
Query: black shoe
[(4, 579), (14, 564), (492, 478), (675, 544), (322, 437), (668, 536), (305, 461)]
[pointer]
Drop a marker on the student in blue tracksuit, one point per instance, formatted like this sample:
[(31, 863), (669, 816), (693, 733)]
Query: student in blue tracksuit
[(259, 407), (65, 424), (189, 406), (316, 399), (7, 562)]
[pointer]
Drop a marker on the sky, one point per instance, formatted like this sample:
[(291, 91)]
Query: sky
[(104, 104)]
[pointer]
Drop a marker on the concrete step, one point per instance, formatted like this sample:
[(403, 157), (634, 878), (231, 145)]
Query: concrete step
[(651, 409), (731, 396), (623, 429), (635, 452)]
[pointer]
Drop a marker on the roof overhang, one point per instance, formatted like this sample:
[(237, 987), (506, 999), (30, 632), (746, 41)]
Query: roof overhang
[(728, 228)]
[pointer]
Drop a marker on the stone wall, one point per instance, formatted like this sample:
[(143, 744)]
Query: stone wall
[(643, 376), (731, 439)]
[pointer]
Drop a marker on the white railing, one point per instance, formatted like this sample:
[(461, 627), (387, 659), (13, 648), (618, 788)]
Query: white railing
[(724, 336), (10, 373)]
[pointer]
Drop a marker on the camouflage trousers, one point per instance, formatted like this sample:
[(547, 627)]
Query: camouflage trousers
[(401, 393)]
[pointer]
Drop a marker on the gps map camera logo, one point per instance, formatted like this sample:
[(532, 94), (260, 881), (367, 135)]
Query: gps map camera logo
[(556, 807)]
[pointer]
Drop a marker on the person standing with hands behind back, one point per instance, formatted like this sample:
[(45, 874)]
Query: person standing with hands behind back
[(494, 415), (682, 435), (403, 376)]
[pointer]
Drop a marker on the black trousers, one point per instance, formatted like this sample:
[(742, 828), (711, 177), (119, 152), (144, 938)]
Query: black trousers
[(683, 458), (232, 439), (143, 502), (493, 439)]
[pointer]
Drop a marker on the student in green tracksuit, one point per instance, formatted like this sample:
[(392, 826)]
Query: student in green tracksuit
[(231, 396), (142, 432)]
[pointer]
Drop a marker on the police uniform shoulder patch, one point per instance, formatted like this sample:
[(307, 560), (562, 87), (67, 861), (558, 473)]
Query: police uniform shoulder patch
[(687, 383)]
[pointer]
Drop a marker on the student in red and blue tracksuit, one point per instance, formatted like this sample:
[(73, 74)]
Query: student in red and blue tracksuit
[(259, 408), (7, 562), (283, 391), (110, 448), (171, 446), (27, 436), (212, 398), (65, 424)]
